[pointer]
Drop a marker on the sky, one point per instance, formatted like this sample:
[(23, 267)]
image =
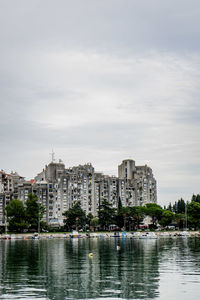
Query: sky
[(101, 81)]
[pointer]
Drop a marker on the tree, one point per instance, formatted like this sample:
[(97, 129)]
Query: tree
[(175, 207), (119, 204), (106, 214), (154, 211), (125, 214), (169, 207), (193, 209), (75, 217), (166, 218), (119, 217), (34, 212), (181, 206), (16, 216), (94, 222), (180, 219), (89, 218), (137, 213), (196, 198), (130, 217)]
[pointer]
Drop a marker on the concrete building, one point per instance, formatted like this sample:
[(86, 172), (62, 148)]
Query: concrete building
[(65, 187), (8, 191), (81, 187), (127, 169), (51, 186), (106, 188), (137, 185), (59, 188), (146, 185)]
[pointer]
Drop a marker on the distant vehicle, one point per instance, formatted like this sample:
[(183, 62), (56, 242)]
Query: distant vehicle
[(171, 227), (114, 227)]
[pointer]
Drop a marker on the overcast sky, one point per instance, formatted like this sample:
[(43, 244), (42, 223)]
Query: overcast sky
[(100, 81)]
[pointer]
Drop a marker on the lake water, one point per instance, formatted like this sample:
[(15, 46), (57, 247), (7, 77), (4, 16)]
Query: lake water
[(167, 268)]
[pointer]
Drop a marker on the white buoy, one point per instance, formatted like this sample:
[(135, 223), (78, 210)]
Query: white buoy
[(118, 248)]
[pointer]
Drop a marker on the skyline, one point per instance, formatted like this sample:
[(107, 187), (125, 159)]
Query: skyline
[(102, 81)]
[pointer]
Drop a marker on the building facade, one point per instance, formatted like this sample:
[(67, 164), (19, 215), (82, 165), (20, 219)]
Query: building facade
[(59, 188), (137, 185), (8, 190)]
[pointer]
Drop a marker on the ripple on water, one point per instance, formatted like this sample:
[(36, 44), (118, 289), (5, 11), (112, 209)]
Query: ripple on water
[(60, 269)]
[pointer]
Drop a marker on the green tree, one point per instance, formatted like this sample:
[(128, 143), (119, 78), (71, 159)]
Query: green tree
[(106, 214), (119, 219), (154, 211), (179, 211), (75, 217), (34, 212), (94, 222), (125, 214), (89, 218), (137, 213), (119, 204), (196, 198), (181, 206), (174, 209), (180, 219), (169, 207), (193, 209), (15, 212), (166, 218)]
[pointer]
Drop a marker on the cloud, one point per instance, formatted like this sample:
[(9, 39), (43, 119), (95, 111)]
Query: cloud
[(102, 81), (113, 25)]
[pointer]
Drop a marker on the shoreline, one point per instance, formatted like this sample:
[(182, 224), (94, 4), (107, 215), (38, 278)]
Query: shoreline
[(28, 236)]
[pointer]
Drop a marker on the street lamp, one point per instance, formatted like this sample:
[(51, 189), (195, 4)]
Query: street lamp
[(38, 217), (6, 228), (186, 216)]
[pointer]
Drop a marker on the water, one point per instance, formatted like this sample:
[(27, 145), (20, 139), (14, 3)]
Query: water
[(61, 269)]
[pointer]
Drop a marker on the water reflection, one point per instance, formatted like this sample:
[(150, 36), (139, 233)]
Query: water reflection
[(62, 269)]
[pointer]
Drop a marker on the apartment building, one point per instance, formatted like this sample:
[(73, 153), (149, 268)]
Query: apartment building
[(8, 190), (59, 188), (137, 185)]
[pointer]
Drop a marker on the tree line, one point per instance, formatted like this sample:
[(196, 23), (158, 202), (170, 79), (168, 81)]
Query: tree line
[(22, 217), (182, 214)]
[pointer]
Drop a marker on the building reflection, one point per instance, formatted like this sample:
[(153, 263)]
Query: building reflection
[(131, 272), (62, 269)]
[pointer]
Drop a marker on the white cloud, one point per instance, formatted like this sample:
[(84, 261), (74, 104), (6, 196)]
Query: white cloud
[(102, 94)]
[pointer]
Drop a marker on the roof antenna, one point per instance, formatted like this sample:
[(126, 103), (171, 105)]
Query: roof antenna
[(52, 156)]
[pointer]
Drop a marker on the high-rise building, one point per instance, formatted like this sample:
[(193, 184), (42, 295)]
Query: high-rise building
[(137, 185), (59, 188), (8, 191)]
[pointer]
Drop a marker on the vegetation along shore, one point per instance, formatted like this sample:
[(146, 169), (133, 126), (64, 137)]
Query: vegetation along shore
[(29, 217)]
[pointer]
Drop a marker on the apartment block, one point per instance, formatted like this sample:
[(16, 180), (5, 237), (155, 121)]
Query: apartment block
[(137, 185), (8, 190), (58, 188)]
